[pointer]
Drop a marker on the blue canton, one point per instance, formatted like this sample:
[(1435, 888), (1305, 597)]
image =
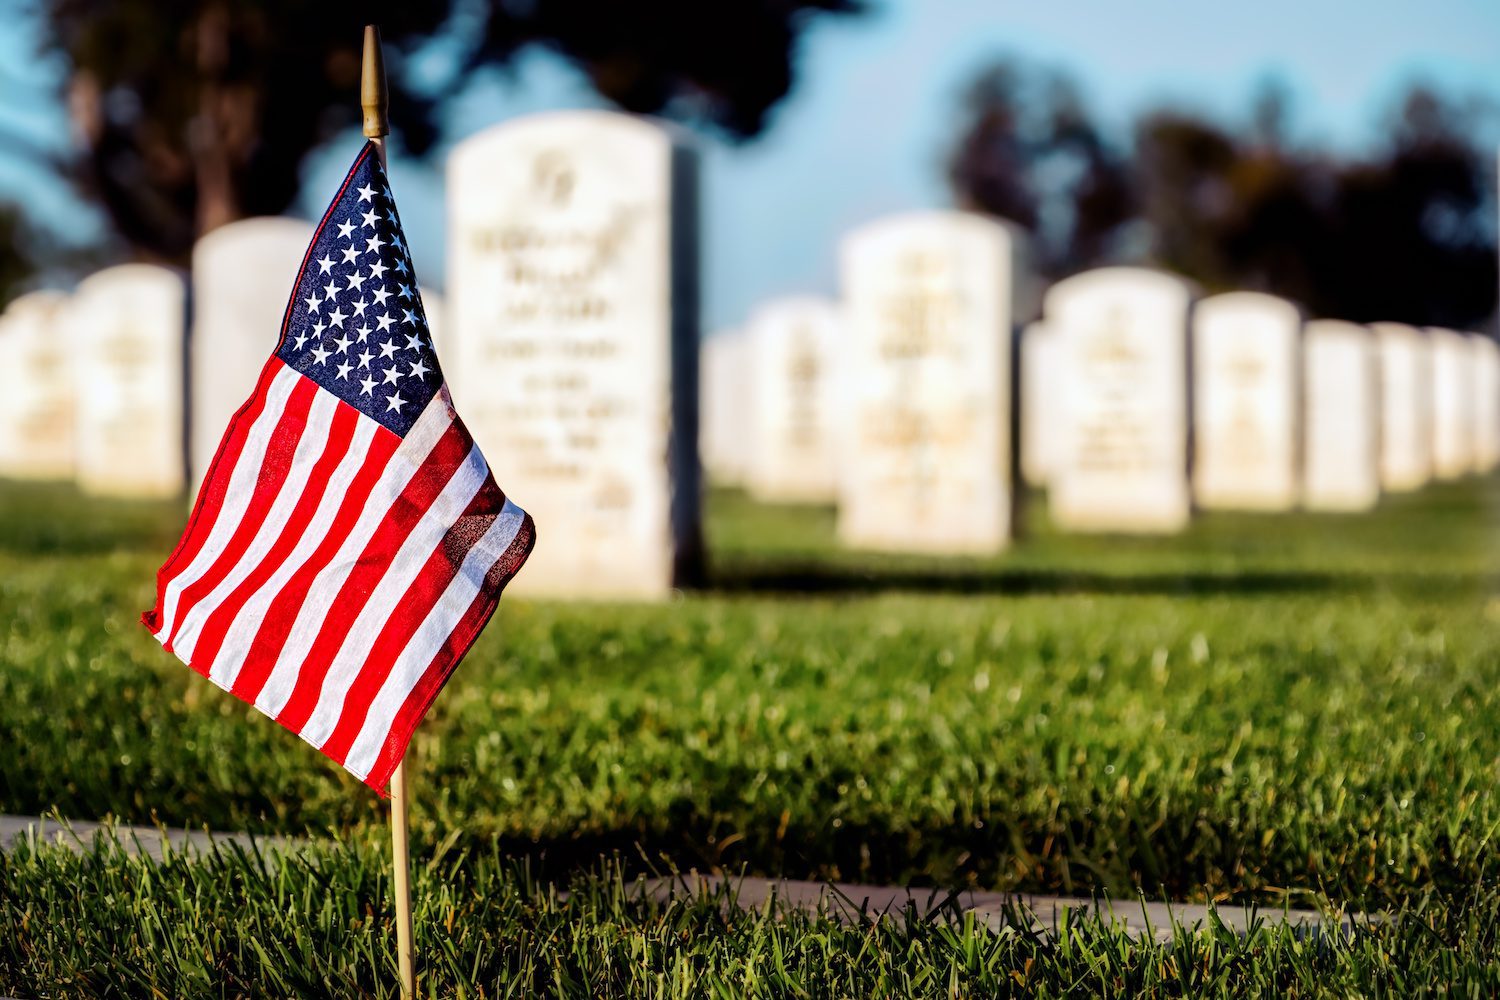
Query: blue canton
[(357, 327)]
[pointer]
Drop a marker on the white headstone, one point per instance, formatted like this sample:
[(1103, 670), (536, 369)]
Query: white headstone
[(1486, 373), (724, 405), (1122, 465), (1405, 406), (1041, 414), (1341, 451), (127, 325), (243, 275), (36, 389), (1247, 366), (573, 323), (925, 461), (793, 454), (1452, 404)]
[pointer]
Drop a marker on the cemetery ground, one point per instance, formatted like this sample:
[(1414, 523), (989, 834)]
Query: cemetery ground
[(1295, 710)]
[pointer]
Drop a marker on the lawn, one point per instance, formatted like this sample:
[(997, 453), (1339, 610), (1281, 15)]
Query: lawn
[(1293, 709)]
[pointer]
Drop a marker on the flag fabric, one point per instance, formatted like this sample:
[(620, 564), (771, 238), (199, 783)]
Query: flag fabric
[(348, 543)]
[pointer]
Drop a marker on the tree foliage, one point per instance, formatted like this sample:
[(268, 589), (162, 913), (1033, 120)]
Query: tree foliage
[(1402, 231), (193, 113)]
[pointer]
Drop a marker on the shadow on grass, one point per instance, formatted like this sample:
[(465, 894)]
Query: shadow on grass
[(812, 578)]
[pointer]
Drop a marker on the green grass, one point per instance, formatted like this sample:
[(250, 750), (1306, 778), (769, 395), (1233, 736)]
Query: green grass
[(1294, 709), (316, 925)]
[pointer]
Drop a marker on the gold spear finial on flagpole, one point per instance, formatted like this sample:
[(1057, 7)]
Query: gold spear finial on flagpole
[(374, 97), (373, 94)]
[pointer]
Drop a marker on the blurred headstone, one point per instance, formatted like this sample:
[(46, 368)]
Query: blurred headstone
[(242, 274), (573, 337), (1040, 413), (36, 389), (1341, 450), (1405, 406), (793, 457), (127, 325), (724, 406), (930, 299), (1452, 404), (1122, 464), (1246, 360), (1486, 375), (435, 309)]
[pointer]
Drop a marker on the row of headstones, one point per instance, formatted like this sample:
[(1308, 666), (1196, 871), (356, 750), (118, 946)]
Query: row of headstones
[(571, 349), (1137, 404), (102, 386)]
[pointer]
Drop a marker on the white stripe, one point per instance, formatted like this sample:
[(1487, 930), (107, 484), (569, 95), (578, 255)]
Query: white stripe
[(418, 548), (436, 628), (236, 498), (408, 458), (309, 451), (241, 633)]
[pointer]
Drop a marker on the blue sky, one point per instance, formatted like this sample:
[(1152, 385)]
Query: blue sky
[(866, 130)]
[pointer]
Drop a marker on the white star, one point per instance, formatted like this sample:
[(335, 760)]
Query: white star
[(330, 290), (367, 386), (381, 294), (346, 229), (383, 322), (418, 369), (374, 243), (342, 343), (378, 269), (369, 218), (390, 216), (414, 342), (400, 265), (361, 333), (408, 318), (395, 402), (336, 318), (318, 328), (405, 290), (350, 255), (391, 375), (312, 303), (320, 355), (325, 263), (356, 280), (364, 358), (398, 243), (388, 349), (344, 368), (301, 339), (359, 307), (366, 192)]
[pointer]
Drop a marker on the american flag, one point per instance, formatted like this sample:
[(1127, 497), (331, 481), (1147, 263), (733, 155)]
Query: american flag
[(348, 543)]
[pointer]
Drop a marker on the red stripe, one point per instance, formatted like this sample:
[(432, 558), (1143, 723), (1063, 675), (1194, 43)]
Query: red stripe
[(450, 656), (282, 611), (411, 611), (373, 564), (340, 434), (211, 494), (272, 473)]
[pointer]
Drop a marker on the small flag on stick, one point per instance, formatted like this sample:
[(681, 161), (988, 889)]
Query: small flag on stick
[(348, 544)]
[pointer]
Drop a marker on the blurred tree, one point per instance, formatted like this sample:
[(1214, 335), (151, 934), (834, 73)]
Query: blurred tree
[(18, 252), (1029, 154), (193, 113), (1404, 232)]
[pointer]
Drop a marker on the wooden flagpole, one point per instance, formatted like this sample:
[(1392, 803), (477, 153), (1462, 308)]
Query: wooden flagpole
[(375, 101)]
